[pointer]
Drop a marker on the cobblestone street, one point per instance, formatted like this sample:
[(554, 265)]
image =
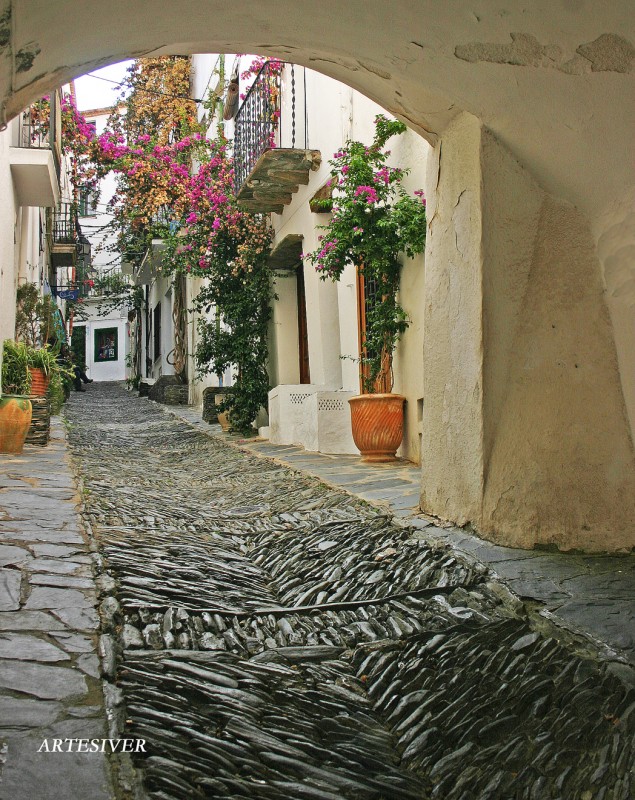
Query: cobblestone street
[(270, 636)]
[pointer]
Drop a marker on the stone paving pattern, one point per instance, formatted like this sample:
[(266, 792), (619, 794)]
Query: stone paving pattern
[(272, 636), (593, 593), (50, 683)]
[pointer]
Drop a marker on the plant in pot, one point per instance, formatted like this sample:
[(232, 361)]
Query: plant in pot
[(43, 364), (15, 406), (35, 325), (374, 220)]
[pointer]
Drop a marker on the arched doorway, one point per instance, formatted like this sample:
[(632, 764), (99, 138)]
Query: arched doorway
[(526, 111)]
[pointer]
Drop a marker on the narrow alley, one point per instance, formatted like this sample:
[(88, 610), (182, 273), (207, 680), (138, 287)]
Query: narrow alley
[(269, 636)]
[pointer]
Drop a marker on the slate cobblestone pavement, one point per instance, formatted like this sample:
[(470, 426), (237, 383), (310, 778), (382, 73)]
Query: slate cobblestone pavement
[(50, 686), (279, 624)]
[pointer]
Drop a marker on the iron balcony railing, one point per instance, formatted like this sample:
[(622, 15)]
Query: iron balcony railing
[(64, 229), (259, 124), (110, 284), (35, 126), (71, 290)]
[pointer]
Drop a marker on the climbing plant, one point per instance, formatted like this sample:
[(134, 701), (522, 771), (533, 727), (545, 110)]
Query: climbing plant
[(373, 221), (175, 184), (230, 248)]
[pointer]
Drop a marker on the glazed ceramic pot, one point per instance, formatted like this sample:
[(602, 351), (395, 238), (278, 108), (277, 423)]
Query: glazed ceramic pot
[(377, 422), (15, 420)]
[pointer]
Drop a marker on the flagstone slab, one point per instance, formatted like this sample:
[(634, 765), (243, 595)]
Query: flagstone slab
[(45, 597), (60, 566), (10, 583), (39, 533), (69, 776), (12, 554), (30, 621), (66, 581), (18, 712), (55, 550), (79, 619), (29, 648), (74, 642), (42, 680)]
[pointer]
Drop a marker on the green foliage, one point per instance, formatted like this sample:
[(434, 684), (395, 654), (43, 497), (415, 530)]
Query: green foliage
[(16, 378), (34, 320), (60, 388), (373, 221), (43, 358), (230, 248), (240, 342)]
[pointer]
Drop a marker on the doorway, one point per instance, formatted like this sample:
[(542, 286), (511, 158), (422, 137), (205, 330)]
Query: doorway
[(303, 336)]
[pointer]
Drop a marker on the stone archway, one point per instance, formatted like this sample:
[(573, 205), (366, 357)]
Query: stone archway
[(530, 433)]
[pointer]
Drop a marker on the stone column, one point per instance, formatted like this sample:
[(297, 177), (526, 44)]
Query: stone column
[(525, 432)]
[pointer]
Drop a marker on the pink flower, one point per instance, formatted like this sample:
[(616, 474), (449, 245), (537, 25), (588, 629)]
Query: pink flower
[(369, 191)]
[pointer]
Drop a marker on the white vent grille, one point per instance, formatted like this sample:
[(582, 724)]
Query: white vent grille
[(330, 404), (298, 398)]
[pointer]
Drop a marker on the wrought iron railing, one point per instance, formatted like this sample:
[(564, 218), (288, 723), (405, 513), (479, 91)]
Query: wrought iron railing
[(35, 126), (110, 284), (71, 290), (257, 122), (64, 227)]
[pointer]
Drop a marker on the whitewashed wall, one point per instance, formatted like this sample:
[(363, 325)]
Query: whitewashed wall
[(106, 370)]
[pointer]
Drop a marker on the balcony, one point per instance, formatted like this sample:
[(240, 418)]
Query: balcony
[(34, 167), (64, 235), (268, 166), (100, 286)]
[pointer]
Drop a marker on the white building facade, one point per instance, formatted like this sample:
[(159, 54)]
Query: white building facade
[(103, 331), (38, 241)]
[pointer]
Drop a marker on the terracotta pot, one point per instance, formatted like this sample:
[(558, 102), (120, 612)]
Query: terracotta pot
[(377, 421), (39, 382), (15, 420), (223, 420)]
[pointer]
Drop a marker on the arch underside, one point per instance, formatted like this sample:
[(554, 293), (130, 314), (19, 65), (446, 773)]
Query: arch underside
[(552, 81), (552, 84)]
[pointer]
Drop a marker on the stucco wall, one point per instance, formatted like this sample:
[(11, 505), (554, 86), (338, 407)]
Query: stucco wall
[(614, 232), (452, 457), (106, 370), (335, 113), (525, 427), (8, 262), (562, 468)]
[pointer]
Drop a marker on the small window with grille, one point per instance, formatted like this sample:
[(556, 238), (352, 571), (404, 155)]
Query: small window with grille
[(87, 202)]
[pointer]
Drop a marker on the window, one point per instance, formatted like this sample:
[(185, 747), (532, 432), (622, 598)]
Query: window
[(87, 201), (106, 344)]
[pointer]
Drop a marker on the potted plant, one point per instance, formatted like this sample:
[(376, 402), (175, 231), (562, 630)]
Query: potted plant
[(35, 325), (15, 406), (373, 221), (42, 364)]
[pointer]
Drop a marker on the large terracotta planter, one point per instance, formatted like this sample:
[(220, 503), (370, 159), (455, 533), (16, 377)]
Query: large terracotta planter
[(223, 421), (15, 420), (39, 382), (377, 421)]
